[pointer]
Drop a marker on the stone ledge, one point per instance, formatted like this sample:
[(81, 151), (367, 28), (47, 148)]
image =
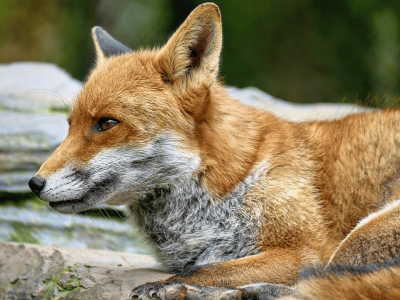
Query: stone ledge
[(47, 272)]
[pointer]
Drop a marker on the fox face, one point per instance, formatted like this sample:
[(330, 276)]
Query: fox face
[(133, 126)]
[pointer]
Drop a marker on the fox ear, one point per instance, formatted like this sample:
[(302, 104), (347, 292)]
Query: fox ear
[(106, 45), (191, 56)]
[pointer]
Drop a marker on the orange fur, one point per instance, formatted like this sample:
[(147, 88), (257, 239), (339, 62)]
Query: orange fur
[(273, 266)]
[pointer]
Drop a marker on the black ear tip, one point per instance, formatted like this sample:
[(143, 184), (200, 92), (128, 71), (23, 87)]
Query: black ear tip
[(107, 44), (97, 30)]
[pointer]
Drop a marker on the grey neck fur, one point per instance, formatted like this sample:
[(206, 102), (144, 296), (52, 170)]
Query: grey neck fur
[(189, 228)]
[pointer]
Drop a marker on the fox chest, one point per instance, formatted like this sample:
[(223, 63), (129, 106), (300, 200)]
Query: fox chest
[(189, 228)]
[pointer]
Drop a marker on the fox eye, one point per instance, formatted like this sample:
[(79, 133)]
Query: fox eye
[(106, 123)]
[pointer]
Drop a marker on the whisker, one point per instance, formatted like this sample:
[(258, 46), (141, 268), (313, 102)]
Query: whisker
[(108, 215), (83, 220), (101, 212), (66, 103), (50, 92), (122, 218)]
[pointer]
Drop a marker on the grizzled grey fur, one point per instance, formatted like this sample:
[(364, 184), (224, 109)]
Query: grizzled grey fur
[(189, 228)]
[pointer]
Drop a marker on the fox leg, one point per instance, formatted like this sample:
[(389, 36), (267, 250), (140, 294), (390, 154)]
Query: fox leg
[(232, 279), (375, 239), (179, 291)]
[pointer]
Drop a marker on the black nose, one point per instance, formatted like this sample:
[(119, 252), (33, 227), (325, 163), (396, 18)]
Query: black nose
[(36, 184)]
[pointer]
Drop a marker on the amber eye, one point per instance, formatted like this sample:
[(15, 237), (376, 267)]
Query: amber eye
[(106, 123)]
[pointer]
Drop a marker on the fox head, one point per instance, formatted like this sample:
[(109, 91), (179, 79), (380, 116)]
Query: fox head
[(133, 126)]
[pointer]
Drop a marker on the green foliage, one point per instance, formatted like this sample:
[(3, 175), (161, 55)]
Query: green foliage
[(11, 285), (311, 50), (54, 286), (64, 110), (17, 199), (297, 50), (381, 101)]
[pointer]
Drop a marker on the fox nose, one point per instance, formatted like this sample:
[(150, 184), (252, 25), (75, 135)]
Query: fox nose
[(36, 185)]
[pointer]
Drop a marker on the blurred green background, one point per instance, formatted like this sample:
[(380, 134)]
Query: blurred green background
[(297, 50)]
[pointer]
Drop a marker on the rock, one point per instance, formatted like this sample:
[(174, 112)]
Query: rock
[(32, 86), (48, 272), (33, 98), (34, 222), (31, 132), (292, 111), (15, 181)]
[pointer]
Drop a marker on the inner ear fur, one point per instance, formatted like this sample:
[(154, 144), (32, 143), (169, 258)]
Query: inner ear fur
[(190, 59)]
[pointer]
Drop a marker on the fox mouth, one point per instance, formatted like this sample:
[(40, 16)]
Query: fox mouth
[(77, 205), (94, 196), (72, 206)]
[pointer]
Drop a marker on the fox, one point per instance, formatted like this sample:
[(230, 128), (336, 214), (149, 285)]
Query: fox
[(236, 201)]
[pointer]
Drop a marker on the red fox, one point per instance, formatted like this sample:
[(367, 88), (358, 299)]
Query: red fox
[(236, 201)]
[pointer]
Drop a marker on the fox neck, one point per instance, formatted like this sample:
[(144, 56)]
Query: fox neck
[(229, 135), (188, 228)]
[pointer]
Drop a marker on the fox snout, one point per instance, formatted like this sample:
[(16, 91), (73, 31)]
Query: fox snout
[(114, 176)]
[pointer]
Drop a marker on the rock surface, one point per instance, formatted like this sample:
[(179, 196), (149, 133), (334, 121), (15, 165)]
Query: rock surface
[(34, 222), (33, 101), (37, 272), (32, 86), (294, 112)]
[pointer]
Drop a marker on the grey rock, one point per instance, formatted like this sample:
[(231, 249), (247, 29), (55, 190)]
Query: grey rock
[(36, 86), (30, 126), (35, 221), (15, 181), (31, 132), (292, 111), (22, 160), (37, 272)]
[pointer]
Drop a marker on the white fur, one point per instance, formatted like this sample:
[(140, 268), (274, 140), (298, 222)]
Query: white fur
[(62, 186), (378, 213)]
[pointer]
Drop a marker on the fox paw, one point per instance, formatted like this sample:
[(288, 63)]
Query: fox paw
[(157, 290), (177, 291)]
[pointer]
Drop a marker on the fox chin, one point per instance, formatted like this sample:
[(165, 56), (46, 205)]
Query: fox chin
[(236, 200)]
